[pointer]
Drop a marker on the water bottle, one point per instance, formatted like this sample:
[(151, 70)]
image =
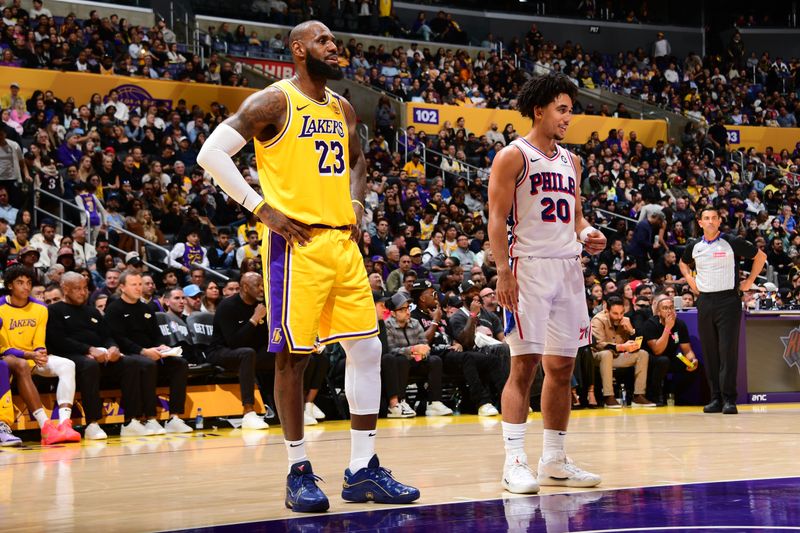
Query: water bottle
[(198, 421), (456, 403), (623, 395), (671, 399)]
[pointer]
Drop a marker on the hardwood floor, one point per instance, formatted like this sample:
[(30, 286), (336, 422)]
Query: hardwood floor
[(223, 476)]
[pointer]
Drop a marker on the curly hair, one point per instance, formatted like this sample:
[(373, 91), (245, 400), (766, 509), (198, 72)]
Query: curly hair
[(16, 271), (541, 91)]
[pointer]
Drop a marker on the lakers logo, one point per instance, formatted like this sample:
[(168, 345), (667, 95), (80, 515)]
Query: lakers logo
[(791, 352), (276, 335)]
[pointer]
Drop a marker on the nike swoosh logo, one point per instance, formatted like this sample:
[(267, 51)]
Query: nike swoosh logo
[(561, 433), (371, 435), (294, 445), (301, 108), (534, 160), (241, 322), (66, 317), (515, 439), (126, 316)]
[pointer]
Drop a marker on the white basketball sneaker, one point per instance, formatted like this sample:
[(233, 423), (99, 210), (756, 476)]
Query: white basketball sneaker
[(559, 470), (134, 428), (152, 427), (94, 432), (252, 421), (519, 478)]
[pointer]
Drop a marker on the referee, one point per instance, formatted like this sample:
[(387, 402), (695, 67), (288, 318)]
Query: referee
[(719, 305)]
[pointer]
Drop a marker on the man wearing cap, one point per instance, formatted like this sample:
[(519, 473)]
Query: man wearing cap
[(28, 256), (194, 295), (134, 263), (469, 364), (66, 258), (406, 338), (414, 168), (416, 264), (395, 279), (715, 257), (472, 318), (9, 101)]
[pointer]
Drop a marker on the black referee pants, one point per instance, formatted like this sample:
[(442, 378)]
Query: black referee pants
[(718, 318)]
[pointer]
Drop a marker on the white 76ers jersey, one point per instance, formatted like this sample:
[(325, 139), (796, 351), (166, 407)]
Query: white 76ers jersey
[(542, 219)]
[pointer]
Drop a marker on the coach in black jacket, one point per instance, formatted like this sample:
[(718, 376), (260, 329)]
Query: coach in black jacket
[(135, 328), (79, 332), (240, 340)]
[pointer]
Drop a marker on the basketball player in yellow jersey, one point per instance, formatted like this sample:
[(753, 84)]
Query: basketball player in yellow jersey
[(312, 172)]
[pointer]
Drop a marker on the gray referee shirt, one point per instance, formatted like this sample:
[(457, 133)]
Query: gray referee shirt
[(716, 262)]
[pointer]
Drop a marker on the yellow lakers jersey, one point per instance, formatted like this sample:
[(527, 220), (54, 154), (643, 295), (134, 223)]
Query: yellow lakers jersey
[(304, 170), (22, 328)]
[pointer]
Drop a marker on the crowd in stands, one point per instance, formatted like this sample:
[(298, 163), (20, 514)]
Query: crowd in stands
[(132, 171), (103, 45), (743, 88)]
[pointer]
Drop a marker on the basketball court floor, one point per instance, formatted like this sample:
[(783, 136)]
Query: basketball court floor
[(671, 469)]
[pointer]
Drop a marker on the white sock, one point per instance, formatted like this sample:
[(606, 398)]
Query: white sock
[(362, 448), (40, 417), (553, 443), (296, 450), (64, 413), (514, 440)]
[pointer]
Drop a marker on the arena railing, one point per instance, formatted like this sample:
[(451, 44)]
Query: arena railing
[(62, 203)]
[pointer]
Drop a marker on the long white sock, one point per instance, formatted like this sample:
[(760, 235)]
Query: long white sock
[(553, 443), (362, 448), (40, 417), (64, 413), (296, 450), (514, 440)]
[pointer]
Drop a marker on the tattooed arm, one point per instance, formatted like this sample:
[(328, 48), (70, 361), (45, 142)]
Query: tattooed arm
[(260, 116)]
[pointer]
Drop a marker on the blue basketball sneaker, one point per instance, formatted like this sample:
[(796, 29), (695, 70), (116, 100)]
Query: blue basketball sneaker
[(302, 493), (375, 483)]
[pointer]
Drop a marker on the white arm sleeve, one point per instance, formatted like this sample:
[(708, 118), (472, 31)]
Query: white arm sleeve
[(215, 157)]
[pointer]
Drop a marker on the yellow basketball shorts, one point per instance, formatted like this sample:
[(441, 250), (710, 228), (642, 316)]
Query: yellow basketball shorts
[(316, 293)]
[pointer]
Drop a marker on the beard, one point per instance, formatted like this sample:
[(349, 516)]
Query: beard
[(320, 69)]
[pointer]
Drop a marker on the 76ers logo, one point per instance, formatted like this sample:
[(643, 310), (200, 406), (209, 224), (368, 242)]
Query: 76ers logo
[(791, 353)]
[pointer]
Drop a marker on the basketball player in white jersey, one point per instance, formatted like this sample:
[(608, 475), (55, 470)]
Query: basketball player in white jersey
[(537, 232)]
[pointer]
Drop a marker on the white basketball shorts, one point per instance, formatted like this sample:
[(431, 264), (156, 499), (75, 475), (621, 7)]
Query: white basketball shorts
[(551, 318)]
